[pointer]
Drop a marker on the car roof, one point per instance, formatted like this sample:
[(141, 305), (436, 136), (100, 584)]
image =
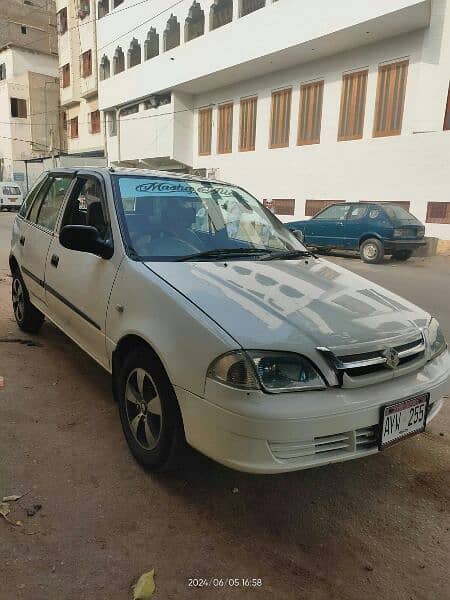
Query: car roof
[(137, 172)]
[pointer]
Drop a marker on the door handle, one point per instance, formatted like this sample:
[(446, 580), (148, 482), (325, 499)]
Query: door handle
[(54, 260), (22, 240)]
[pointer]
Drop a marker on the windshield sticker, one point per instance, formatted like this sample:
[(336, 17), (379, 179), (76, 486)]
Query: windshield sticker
[(165, 187)]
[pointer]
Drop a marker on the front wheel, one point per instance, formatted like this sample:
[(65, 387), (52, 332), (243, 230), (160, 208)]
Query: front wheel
[(149, 411), (402, 255), (372, 251), (28, 318)]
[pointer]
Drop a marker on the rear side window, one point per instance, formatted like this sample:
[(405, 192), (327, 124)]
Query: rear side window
[(29, 198)]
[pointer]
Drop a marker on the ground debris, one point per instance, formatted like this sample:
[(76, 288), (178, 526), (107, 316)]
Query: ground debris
[(33, 510), (145, 586), (25, 342)]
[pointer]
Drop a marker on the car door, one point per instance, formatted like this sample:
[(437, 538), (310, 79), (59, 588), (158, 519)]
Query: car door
[(37, 231), (326, 229), (355, 225), (78, 284)]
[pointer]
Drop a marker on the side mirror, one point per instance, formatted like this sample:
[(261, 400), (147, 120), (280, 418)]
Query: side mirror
[(84, 238), (299, 235)]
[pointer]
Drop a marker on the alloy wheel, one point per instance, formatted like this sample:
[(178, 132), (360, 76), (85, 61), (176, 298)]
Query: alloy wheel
[(143, 408), (18, 299)]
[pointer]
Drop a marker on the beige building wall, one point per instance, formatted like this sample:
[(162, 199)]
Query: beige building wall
[(79, 99)]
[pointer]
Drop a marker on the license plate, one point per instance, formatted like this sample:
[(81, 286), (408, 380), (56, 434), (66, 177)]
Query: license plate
[(402, 420)]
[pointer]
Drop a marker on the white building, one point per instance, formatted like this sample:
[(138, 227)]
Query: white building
[(76, 21), (29, 88), (298, 101)]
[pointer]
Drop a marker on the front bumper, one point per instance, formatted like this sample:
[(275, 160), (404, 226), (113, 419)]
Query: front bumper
[(263, 433)]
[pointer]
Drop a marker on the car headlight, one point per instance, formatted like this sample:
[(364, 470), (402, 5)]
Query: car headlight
[(274, 372), (436, 338)]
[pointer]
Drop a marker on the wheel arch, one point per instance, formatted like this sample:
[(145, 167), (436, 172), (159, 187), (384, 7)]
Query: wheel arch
[(368, 236), (13, 264)]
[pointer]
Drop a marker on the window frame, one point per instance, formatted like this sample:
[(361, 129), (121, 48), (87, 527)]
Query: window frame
[(278, 93), (246, 133), (201, 112), (305, 88), (350, 103), (388, 132), (225, 127)]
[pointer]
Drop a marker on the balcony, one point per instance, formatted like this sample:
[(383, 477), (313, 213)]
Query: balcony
[(262, 39)]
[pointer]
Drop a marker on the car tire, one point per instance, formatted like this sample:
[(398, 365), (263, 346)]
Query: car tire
[(372, 251), (27, 316), (402, 255), (149, 412)]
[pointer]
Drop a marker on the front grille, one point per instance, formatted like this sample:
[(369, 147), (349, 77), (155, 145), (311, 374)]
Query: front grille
[(351, 367), (332, 446)]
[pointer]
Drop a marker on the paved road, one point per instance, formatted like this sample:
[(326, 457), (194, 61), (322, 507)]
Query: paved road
[(374, 528)]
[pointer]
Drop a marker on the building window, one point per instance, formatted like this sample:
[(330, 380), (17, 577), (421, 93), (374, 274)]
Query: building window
[(86, 64), (103, 8), (105, 68), (220, 14), (194, 26), (225, 128), (65, 75), (73, 130), (248, 6), (18, 108), (438, 212), (447, 113), (130, 110), (353, 106), (111, 119), (280, 118), (84, 9), (310, 116), (151, 44), (95, 121), (23, 29), (157, 100), (2, 71), (390, 101), (312, 207), (171, 36), (62, 21), (280, 206), (118, 61), (204, 131), (134, 54), (64, 122), (247, 126)]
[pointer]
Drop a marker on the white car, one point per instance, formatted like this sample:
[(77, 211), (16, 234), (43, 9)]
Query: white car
[(235, 339), (10, 196)]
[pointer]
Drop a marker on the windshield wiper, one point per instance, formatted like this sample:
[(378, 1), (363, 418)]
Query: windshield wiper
[(287, 254), (223, 253)]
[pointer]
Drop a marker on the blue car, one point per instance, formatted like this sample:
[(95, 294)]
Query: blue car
[(371, 229)]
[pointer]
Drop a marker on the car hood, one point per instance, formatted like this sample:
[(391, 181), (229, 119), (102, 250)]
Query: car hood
[(282, 305)]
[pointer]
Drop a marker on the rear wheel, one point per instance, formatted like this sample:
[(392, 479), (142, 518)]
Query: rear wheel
[(402, 255), (28, 317), (149, 411), (372, 251)]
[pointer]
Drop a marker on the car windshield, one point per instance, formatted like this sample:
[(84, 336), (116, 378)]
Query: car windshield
[(180, 219), (397, 213)]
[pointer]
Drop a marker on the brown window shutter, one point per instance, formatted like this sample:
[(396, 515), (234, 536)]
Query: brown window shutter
[(353, 106), (390, 102), (284, 206), (447, 113), (204, 131), (74, 127), (310, 117), (312, 207), (438, 212), (280, 119), (95, 121), (247, 128), (225, 129), (65, 75)]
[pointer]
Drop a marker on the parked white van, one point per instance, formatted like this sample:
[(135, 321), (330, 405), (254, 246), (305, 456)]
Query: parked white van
[(10, 196)]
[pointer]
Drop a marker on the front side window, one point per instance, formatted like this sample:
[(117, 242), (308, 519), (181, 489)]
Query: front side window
[(357, 212), (29, 198), (168, 219), (87, 207), (48, 202), (334, 213)]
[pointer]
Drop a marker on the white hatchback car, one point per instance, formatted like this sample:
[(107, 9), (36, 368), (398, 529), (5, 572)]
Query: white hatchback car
[(10, 196), (218, 326)]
